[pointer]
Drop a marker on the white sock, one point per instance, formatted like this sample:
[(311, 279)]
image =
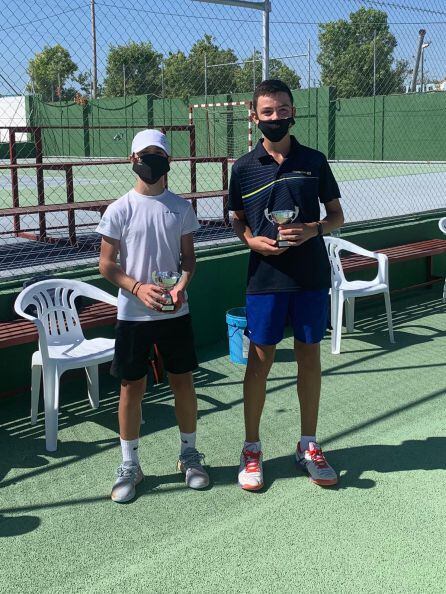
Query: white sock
[(130, 450), (187, 440), (253, 446), (305, 441)]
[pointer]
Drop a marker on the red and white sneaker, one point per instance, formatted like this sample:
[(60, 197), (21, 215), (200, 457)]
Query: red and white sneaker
[(250, 473), (313, 462)]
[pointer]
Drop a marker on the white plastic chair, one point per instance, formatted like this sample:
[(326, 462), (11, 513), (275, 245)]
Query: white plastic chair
[(344, 290), (442, 225), (62, 345)]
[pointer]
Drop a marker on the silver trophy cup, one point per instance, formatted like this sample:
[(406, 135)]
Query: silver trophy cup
[(166, 280), (282, 217)]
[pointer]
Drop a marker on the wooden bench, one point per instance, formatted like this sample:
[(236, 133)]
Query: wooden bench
[(22, 331), (401, 253)]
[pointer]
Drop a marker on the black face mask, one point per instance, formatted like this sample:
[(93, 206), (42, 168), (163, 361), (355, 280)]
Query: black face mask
[(275, 130), (151, 168)]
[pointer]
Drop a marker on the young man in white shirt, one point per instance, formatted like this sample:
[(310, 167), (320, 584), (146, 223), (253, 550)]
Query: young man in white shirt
[(151, 230)]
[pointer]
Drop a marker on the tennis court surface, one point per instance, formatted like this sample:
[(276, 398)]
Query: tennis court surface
[(381, 530)]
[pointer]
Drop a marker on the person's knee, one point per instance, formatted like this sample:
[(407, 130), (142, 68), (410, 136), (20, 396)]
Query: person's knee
[(307, 355), (181, 381), (260, 366), (132, 390)]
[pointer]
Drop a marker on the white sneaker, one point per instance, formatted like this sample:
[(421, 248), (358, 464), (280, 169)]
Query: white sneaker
[(313, 462), (250, 473), (129, 475)]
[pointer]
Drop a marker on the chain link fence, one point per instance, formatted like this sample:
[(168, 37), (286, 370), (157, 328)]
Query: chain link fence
[(79, 80)]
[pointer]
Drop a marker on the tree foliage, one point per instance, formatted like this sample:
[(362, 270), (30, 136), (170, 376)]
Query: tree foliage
[(250, 73), (49, 72), (184, 76), (347, 55), (133, 69)]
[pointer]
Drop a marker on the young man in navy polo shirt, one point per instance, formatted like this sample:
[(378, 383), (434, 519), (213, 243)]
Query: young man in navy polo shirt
[(285, 285)]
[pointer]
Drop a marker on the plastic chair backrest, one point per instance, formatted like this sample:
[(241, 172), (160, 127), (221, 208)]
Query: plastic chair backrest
[(442, 224), (333, 249), (55, 312), (335, 245)]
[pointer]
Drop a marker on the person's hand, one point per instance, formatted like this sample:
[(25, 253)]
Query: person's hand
[(297, 233), (265, 246), (151, 296), (178, 298)]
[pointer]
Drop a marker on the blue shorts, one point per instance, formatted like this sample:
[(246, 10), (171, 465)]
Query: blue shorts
[(305, 311)]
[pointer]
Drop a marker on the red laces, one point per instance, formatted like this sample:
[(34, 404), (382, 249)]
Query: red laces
[(252, 461), (318, 458)]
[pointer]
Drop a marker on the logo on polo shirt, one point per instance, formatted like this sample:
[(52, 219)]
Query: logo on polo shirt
[(302, 172)]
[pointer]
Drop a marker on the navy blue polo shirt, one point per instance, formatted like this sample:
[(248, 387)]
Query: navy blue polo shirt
[(303, 179)]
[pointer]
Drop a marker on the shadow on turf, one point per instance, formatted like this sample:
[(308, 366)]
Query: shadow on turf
[(25, 443), (411, 455), (16, 526), (351, 463)]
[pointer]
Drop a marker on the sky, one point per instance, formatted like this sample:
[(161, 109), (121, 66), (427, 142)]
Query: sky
[(26, 26)]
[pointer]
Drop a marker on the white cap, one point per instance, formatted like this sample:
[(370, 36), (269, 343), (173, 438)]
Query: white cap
[(147, 138)]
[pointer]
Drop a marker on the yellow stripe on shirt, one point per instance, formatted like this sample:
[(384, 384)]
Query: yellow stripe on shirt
[(244, 197)]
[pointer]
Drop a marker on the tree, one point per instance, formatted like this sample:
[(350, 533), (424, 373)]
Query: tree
[(49, 71), (83, 88), (178, 78), (277, 69), (347, 55), (133, 69), (185, 75)]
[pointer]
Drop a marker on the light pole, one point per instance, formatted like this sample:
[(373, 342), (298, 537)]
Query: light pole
[(93, 49), (423, 47), (374, 63), (265, 7)]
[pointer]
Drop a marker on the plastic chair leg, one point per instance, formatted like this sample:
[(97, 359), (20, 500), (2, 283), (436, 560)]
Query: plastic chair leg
[(36, 374), (93, 385), (338, 305), (51, 398), (350, 314), (389, 316), (444, 291)]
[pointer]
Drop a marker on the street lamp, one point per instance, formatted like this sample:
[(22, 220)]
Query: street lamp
[(94, 58), (423, 47)]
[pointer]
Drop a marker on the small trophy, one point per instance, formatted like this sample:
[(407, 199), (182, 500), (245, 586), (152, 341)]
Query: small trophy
[(282, 217), (167, 281)]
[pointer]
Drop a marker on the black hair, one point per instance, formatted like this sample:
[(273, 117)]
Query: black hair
[(270, 87)]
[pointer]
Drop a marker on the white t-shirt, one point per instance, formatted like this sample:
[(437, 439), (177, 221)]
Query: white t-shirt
[(149, 229)]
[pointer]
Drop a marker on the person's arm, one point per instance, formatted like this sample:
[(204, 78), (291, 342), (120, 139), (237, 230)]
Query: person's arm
[(328, 192), (149, 294), (334, 218), (188, 263), (262, 245)]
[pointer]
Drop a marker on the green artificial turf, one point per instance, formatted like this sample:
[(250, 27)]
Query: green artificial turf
[(382, 529)]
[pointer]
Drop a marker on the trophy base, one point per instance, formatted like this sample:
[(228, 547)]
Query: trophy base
[(282, 243), (168, 307)]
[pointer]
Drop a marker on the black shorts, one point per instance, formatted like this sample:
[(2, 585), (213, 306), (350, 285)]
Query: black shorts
[(134, 344)]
